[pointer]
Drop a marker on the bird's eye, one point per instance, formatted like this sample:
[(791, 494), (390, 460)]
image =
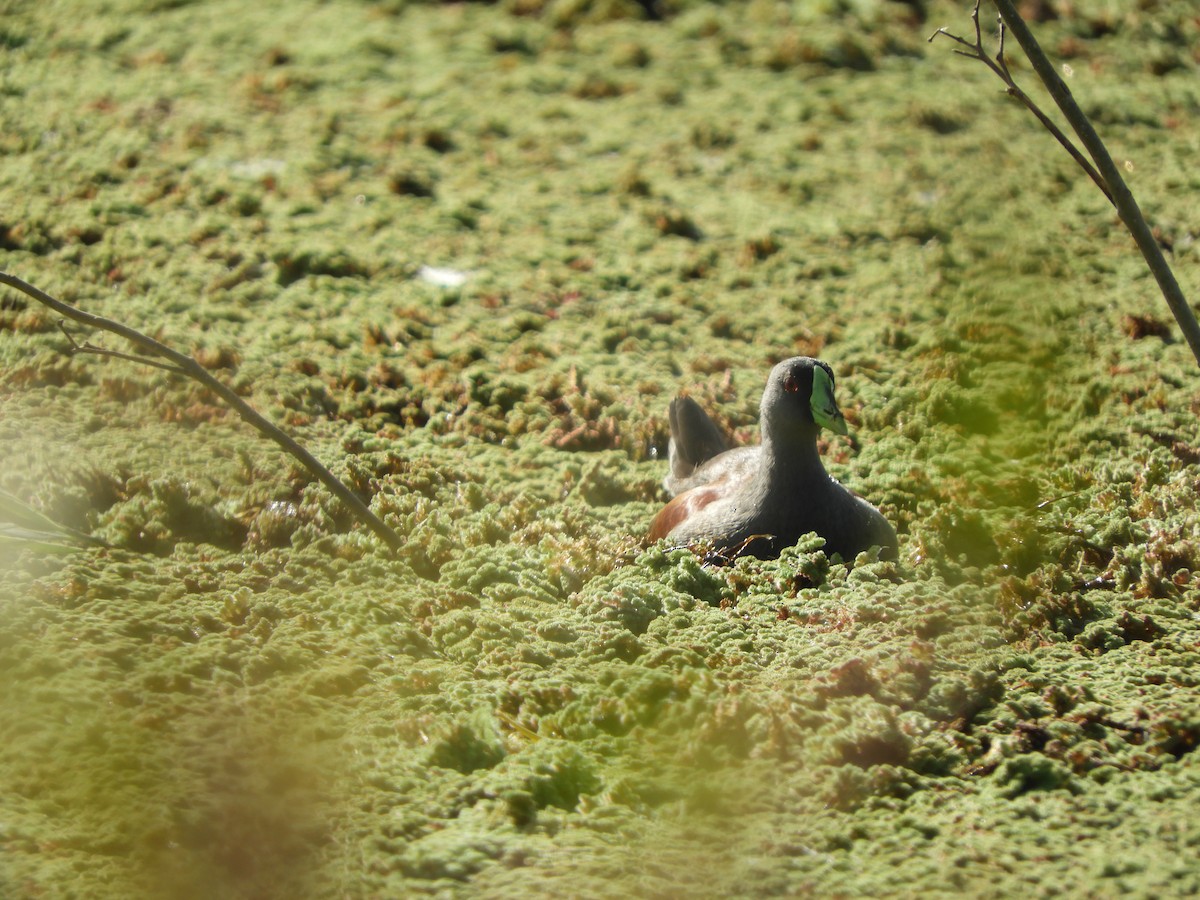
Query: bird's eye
[(791, 385)]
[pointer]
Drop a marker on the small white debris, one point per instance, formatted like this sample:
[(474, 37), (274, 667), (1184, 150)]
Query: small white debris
[(255, 169), (443, 277)]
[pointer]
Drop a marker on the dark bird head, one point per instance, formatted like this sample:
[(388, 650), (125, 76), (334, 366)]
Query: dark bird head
[(799, 401)]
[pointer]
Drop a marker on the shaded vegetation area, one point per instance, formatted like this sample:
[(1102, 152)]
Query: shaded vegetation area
[(467, 253)]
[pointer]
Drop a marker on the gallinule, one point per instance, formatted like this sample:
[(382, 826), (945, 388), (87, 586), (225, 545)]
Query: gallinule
[(759, 500)]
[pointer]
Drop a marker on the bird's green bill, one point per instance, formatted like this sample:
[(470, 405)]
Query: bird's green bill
[(824, 408)]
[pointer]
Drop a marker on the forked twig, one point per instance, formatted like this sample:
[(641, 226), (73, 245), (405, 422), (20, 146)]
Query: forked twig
[(1101, 168), (1000, 68), (185, 365), (77, 347)]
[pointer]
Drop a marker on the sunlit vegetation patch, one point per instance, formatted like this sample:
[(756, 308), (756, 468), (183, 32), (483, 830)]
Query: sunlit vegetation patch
[(467, 254)]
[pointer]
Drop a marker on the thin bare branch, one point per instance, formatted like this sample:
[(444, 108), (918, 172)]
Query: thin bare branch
[(1000, 68), (1100, 168), (77, 347), (1118, 192), (189, 367)]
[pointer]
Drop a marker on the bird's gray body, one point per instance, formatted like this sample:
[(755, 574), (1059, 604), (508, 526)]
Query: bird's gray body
[(759, 500)]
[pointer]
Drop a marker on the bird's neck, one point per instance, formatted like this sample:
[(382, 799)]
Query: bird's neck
[(792, 459)]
